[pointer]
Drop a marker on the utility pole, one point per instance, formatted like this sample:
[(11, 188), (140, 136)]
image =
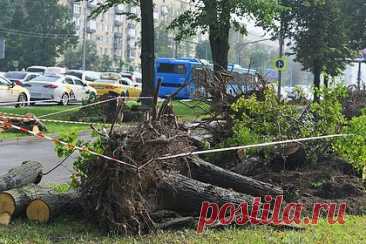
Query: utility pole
[(85, 21)]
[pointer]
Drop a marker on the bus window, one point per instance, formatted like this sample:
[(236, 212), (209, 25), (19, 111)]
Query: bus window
[(172, 68)]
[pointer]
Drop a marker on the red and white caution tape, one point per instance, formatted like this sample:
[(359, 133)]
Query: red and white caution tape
[(41, 135), (91, 105)]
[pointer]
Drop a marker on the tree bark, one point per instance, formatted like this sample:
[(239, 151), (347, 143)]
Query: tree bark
[(47, 204), (185, 195), (317, 80), (15, 201), (147, 50), (219, 34), (219, 48), (212, 174), (29, 172)]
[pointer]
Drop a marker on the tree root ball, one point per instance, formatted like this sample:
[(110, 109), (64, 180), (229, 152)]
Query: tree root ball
[(121, 199)]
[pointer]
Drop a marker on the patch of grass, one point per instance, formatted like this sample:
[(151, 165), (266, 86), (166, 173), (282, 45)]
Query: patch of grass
[(189, 111), (60, 188), (53, 128), (71, 230)]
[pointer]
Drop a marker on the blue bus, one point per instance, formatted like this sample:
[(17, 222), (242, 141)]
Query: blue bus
[(174, 74)]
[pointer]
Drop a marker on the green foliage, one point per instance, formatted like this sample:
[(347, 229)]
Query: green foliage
[(73, 57), (29, 33), (80, 165), (353, 148), (299, 95), (203, 50), (61, 188), (217, 17), (321, 34), (259, 121), (166, 43)]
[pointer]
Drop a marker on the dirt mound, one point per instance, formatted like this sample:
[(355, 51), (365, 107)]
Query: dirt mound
[(331, 180)]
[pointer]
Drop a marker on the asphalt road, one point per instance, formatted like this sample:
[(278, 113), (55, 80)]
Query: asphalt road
[(13, 153)]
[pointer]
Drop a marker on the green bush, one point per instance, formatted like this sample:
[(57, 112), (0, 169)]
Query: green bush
[(259, 121), (353, 148)]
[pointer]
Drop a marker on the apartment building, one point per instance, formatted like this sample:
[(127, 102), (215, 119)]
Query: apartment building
[(114, 34)]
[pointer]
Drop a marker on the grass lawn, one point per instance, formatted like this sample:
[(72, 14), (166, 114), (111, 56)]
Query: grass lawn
[(186, 111), (70, 230), (53, 128)]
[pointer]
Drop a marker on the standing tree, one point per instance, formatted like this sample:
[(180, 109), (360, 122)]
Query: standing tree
[(72, 57), (217, 17), (147, 41), (320, 34), (166, 43), (38, 33)]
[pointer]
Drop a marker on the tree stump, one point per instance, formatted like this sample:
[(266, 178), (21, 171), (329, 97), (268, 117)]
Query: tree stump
[(15, 201), (47, 204)]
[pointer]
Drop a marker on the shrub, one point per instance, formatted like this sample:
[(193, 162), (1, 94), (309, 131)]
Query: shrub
[(353, 148), (258, 121)]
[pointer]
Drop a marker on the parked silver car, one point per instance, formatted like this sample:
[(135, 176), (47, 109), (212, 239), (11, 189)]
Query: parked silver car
[(20, 77)]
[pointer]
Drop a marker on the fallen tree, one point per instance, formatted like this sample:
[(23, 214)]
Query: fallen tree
[(15, 201), (183, 194), (47, 204), (212, 174), (29, 172)]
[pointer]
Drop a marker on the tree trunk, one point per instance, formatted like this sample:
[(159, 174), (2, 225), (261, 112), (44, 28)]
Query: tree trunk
[(317, 80), (48, 204), (212, 174), (326, 80), (147, 51), (220, 48), (15, 201), (219, 33), (185, 195), (29, 172)]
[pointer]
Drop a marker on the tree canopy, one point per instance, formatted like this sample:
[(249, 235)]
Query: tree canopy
[(217, 17), (324, 34), (36, 33)]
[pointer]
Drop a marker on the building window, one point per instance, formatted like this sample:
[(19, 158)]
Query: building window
[(77, 8)]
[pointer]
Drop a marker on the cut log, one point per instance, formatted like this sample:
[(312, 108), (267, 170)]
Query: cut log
[(212, 174), (186, 195), (47, 204), (5, 218), (29, 172), (15, 201)]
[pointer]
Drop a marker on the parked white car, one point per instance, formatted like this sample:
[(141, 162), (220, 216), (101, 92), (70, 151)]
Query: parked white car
[(9, 93), (81, 90), (20, 77), (60, 89), (86, 76), (37, 69)]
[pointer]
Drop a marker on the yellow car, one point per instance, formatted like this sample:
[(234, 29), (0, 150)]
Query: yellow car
[(11, 93), (114, 84)]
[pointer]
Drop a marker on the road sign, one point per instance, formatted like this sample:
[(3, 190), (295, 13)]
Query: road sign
[(280, 63)]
